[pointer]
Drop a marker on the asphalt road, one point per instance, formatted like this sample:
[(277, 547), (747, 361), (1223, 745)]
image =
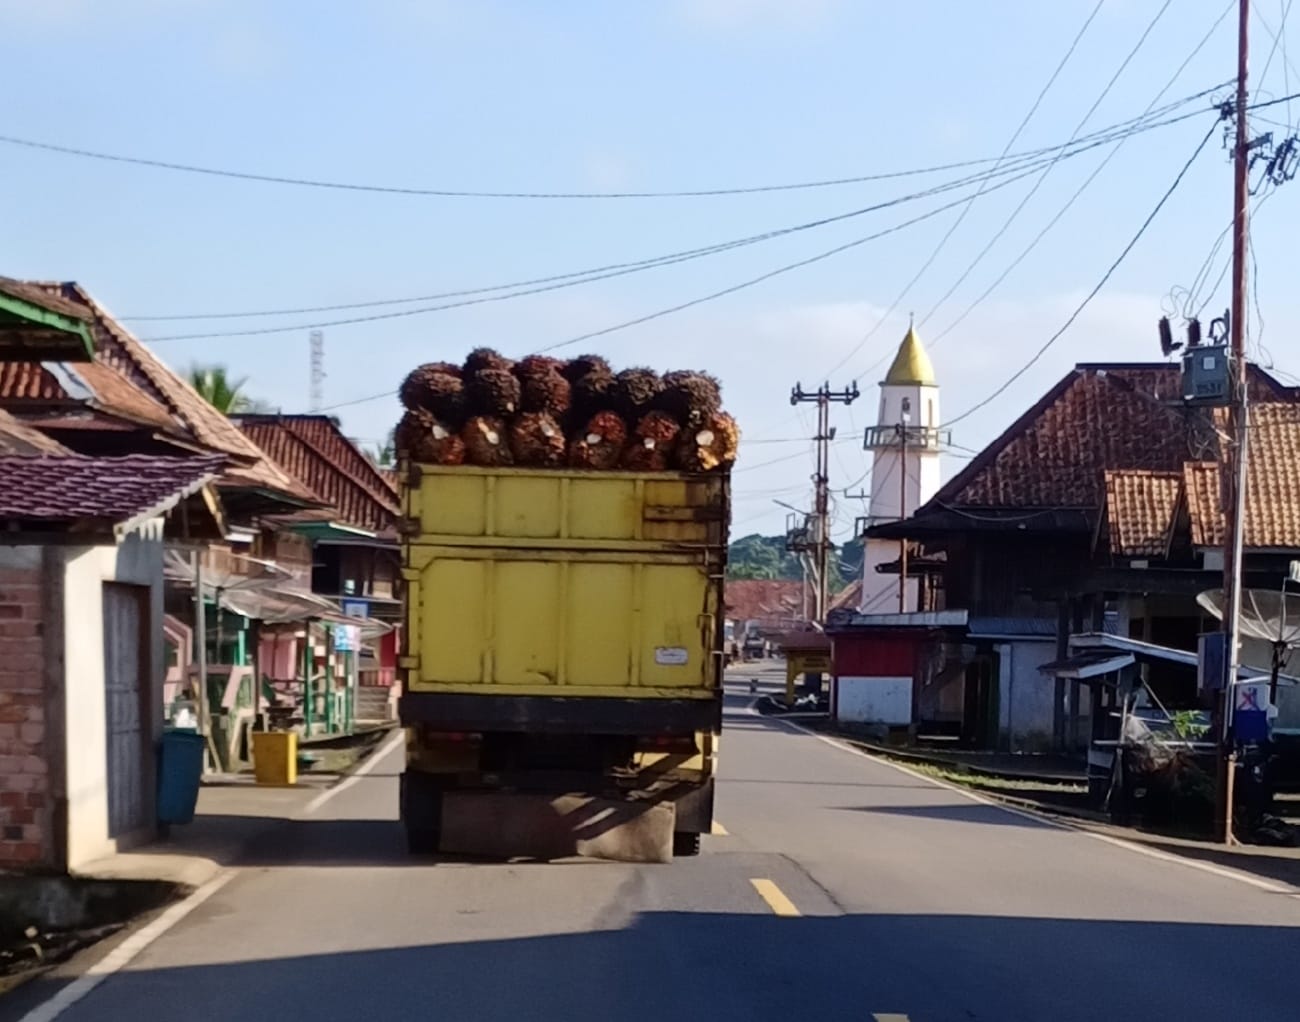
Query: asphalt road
[(879, 895)]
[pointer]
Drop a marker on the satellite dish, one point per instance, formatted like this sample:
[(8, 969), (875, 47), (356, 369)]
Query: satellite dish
[(1265, 614)]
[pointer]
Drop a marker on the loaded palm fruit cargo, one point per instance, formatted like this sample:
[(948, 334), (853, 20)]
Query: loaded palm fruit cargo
[(542, 412), (564, 531)]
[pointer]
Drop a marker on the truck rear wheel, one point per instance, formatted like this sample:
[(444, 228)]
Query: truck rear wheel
[(686, 843)]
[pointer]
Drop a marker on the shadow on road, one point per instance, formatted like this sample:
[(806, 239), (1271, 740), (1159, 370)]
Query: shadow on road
[(954, 814), (676, 965)]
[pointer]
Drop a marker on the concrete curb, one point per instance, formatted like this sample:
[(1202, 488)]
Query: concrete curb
[(958, 766)]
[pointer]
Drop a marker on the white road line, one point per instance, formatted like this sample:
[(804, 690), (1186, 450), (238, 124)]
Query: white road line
[(121, 956), (1224, 872), (397, 738)]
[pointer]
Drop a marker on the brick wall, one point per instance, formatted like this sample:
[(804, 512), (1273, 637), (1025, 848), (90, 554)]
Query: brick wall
[(26, 819)]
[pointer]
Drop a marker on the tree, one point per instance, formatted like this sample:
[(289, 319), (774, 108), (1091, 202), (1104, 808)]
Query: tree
[(385, 455), (227, 396)]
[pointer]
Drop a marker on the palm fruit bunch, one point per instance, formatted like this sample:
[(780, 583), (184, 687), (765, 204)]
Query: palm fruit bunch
[(635, 390), (421, 437), (537, 440), (435, 387), (486, 358), (486, 442), (593, 392), (543, 412), (690, 397), (530, 365), (652, 443), (599, 444), (576, 368), (707, 446), (495, 393), (542, 387)]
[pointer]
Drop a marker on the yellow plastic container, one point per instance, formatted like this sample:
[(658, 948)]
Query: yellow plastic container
[(275, 758)]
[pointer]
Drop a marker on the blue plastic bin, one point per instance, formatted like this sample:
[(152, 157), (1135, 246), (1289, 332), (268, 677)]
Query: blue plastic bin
[(180, 768)]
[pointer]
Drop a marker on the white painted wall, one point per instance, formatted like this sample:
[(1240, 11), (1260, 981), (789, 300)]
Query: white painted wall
[(880, 592), (136, 561), (897, 491), (1025, 699), (875, 700)]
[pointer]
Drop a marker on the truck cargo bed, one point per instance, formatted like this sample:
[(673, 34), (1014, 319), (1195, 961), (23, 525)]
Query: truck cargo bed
[(553, 582)]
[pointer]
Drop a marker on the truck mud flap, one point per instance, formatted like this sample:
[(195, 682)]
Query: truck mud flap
[(694, 805), (498, 824)]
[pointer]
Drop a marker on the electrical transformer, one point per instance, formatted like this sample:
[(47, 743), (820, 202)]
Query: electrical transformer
[(1207, 375)]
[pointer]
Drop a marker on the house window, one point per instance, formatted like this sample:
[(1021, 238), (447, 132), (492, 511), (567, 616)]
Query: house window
[(929, 412)]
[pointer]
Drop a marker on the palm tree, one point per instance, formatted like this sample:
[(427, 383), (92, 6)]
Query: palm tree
[(224, 394), (385, 455)]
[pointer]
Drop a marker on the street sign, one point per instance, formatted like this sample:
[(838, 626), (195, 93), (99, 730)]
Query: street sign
[(1250, 711), (347, 638)]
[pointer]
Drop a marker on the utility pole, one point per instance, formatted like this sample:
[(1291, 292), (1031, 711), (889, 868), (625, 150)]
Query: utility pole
[(1234, 473), (902, 506), (818, 542)]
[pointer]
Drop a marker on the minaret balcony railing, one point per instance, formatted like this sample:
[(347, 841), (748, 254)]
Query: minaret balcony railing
[(920, 438)]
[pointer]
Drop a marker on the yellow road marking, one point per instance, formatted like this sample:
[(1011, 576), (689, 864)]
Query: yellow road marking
[(775, 898), (880, 1017), (719, 830)]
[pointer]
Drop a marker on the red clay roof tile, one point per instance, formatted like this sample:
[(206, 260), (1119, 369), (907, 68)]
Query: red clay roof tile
[(65, 488), (1140, 507), (1098, 417), (313, 450)]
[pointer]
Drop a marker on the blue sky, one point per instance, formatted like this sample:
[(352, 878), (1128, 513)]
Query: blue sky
[(655, 95)]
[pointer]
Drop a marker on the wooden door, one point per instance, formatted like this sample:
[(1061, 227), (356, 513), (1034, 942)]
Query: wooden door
[(126, 706)]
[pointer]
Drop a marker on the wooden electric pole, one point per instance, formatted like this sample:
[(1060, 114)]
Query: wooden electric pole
[(819, 539), (1234, 468)]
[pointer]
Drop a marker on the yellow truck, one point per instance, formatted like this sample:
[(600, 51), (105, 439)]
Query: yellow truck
[(562, 660)]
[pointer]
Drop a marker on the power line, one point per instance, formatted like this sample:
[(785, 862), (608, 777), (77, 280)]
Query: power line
[(1011, 174), (1100, 284), (1042, 94), (715, 294), (1147, 122), (1042, 178), (820, 256), (453, 193), (1078, 193)]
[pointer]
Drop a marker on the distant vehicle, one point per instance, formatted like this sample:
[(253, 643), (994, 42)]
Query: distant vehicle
[(730, 644), (755, 647)]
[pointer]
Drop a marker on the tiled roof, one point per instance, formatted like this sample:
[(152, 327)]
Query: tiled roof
[(1098, 417), (127, 379), (18, 438), (29, 381), (313, 450), (37, 295), (850, 596), (72, 488), (760, 599), (1140, 506), (1272, 488), (1201, 492)]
